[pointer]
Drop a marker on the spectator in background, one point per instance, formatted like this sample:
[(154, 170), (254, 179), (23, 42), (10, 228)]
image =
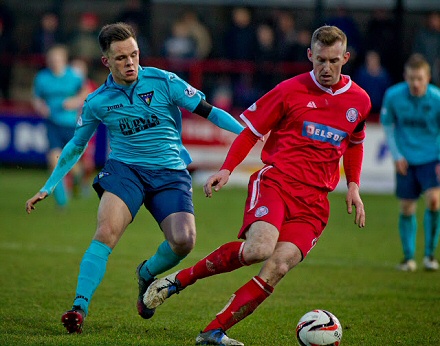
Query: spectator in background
[(83, 41), (143, 42), (47, 34), (137, 13), (240, 39), (199, 32), (179, 44), (380, 35), (7, 18), (7, 50), (57, 89), (427, 43), (266, 56), (411, 119), (298, 50), (266, 49), (286, 33), (345, 21), (240, 43), (374, 79)]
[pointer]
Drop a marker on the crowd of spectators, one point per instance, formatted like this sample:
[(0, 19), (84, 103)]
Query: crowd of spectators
[(7, 49), (247, 37), (427, 43)]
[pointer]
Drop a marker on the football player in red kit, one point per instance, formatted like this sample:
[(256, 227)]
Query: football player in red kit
[(314, 119)]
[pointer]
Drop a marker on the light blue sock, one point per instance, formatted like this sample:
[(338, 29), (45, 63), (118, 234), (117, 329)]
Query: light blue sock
[(432, 231), (161, 261), (60, 194), (91, 272), (408, 232)]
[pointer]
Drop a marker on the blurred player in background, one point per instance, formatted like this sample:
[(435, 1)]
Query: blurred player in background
[(147, 164), (88, 166), (58, 89), (410, 117), (314, 119)]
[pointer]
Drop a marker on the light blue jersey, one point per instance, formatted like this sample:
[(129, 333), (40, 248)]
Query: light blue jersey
[(54, 90), (412, 124), (144, 121)]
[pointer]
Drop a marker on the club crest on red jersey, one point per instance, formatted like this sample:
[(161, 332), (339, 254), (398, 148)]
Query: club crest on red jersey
[(253, 107), (352, 115), (261, 211)]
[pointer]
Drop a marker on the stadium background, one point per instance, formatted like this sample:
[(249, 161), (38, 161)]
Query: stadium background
[(22, 137), (351, 272)]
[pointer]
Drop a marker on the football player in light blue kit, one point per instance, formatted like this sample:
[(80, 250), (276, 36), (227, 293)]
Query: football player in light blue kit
[(410, 116), (147, 164), (58, 92)]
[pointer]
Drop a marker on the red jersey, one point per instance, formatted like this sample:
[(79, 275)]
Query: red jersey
[(310, 127)]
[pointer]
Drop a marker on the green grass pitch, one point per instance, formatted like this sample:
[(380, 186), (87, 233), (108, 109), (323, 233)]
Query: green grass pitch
[(351, 272)]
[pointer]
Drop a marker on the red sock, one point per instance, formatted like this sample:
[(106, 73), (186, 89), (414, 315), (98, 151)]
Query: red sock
[(226, 258), (242, 304)]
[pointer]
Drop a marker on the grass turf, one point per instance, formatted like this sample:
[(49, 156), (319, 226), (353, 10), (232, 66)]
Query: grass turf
[(351, 272)]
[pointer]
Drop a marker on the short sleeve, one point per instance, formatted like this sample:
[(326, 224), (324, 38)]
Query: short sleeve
[(183, 94), (262, 116)]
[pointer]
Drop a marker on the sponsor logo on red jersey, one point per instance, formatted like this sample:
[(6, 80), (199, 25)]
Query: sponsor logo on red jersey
[(323, 133)]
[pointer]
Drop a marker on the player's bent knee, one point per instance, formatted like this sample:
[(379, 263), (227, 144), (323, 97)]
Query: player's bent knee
[(257, 253), (183, 245), (283, 269)]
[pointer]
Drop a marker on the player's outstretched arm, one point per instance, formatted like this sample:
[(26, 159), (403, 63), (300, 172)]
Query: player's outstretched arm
[(217, 180), (38, 197), (218, 117), (354, 199), (238, 151)]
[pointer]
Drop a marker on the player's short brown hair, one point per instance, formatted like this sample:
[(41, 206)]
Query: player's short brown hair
[(114, 32), (328, 35), (417, 61)]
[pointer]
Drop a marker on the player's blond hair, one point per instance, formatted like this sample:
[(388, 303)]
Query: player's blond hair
[(417, 61), (328, 35)]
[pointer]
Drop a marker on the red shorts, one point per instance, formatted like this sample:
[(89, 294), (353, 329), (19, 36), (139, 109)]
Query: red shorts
[(298, 211)]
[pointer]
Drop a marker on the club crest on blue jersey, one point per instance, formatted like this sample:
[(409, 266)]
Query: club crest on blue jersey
[(323, 133), (190, 91), (103, 174), (352, 115), (147, 97)]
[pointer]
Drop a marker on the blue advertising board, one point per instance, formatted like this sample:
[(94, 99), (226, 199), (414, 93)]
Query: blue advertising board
[(23, 141)]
